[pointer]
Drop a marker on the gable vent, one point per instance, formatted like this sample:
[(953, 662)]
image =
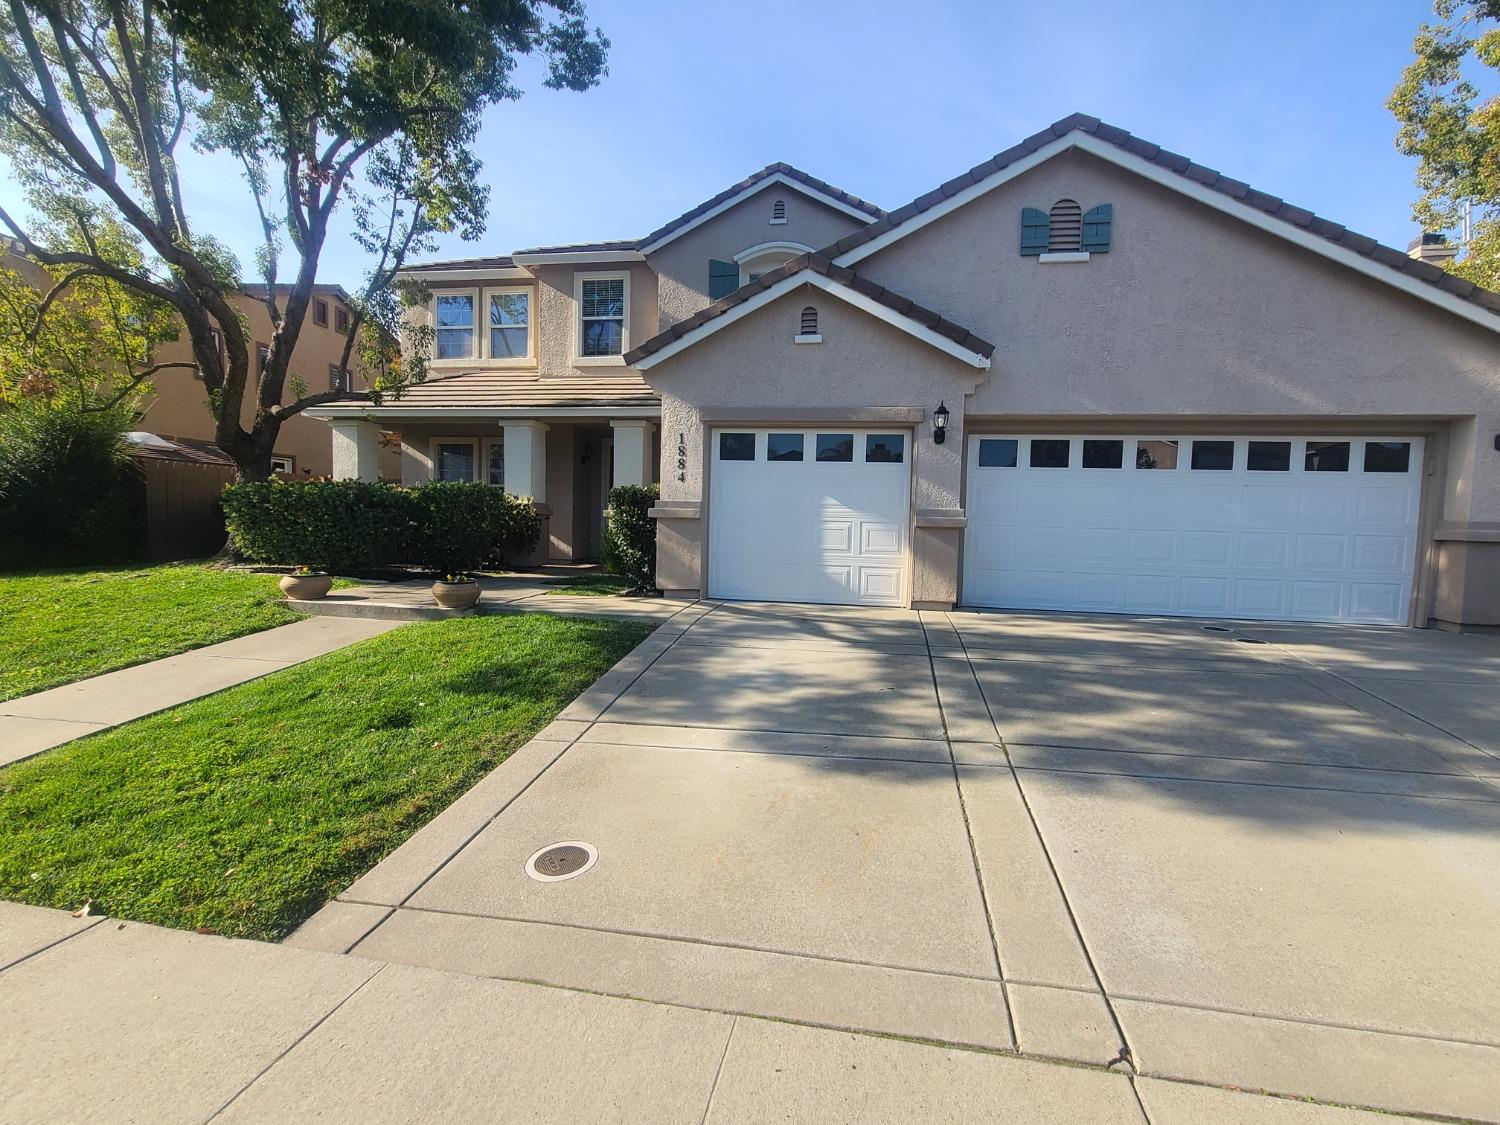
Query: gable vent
[(809, 321), (778, 211), (1066, 232)]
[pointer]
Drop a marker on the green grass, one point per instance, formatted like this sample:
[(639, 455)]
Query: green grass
[(590, 585), (243, 812), (58, 626)]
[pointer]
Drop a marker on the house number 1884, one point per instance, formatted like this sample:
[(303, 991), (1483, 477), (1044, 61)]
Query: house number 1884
[(681, 456)]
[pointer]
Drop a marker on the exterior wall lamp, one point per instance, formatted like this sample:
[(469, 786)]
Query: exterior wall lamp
[(940, 423)]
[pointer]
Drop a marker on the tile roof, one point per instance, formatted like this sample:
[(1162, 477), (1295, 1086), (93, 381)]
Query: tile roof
[(497, 262), (164, 447), (519, 389), (1206, 177), (791, 173), (817, 263)]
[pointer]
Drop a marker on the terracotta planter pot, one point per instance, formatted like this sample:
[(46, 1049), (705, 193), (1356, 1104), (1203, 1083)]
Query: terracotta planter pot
[(306, 587), (455, 595)]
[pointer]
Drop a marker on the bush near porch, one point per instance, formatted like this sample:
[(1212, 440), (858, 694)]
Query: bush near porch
[(348, 526), (629, 545)]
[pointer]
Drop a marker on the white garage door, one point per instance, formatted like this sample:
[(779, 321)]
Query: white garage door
[(1254, 527), (809, 515)]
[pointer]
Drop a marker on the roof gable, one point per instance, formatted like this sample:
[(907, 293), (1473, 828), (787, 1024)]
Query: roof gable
[(817, 271), (1205, 185)]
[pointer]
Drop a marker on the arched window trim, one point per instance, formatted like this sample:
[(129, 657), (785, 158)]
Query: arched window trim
[(745, 258)]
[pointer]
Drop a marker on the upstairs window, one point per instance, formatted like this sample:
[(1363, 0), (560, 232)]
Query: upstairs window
[(601, 316), (778, 212), (455, 326), (320, 312), (341, 319), (510, 324), (338, 379), (1065, 227)]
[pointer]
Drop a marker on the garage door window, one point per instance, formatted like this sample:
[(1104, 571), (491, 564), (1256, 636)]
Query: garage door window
[(1050, 453), (736, 447), (1155, 453), (1269, 457), (1103, 454), (1213, 455), (783, 447), (885, 449), (997, 453), (1327, 457), (835, 447), (1387, 456)]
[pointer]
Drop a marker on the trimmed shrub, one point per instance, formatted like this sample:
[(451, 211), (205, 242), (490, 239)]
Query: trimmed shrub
[(629, 546), (68, 493), (346, 526)]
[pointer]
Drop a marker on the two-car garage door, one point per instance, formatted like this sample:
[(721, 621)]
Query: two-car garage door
[(1265, 528)]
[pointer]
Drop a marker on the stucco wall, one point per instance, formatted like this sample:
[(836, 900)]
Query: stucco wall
[(557, 314), (682, 265), (1194, 313), (751, 371)]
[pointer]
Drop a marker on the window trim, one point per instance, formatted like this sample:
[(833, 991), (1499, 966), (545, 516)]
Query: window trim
[(529, 292), (291, 464), (748, 255), (474, 343), (434, 450), (341, 320), (320, 312), (579, 359), (483, 467)]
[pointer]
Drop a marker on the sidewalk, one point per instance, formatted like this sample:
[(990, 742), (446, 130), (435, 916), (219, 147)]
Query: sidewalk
[(120, 1021), (45, 719)]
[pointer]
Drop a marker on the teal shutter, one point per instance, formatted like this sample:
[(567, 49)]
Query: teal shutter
[(1036, 228), (1096, 223), (723, 278)]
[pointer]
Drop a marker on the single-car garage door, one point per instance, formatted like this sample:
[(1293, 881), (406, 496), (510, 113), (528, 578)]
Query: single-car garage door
[(809, 515), (1268, 528)]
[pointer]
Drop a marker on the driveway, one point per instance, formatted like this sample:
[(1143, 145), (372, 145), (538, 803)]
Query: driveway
[(1265, 857)]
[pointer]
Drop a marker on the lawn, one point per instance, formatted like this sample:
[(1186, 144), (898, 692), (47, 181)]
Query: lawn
[(58, 626), (243, 812), (590, 585)]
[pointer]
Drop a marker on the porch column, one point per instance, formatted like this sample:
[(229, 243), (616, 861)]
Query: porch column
[(526, 459), (356, 450), (632, 450)]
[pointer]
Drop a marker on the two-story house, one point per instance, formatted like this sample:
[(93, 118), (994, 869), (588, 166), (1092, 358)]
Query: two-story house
[(1087, 374)]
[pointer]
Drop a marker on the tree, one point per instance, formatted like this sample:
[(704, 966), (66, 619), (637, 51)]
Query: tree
[(1453, 130), (80, 340), (373, 103)]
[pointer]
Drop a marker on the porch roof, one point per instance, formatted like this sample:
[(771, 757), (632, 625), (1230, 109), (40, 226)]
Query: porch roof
[(508, 391)]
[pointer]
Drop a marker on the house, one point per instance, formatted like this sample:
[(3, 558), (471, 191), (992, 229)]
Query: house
[(178, 408), (1084, 375)]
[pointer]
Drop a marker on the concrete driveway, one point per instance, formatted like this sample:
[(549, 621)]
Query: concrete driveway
[(1265, 857)]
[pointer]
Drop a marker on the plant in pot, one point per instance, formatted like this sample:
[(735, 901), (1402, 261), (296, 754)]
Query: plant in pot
[(458, 523), (305, 584)]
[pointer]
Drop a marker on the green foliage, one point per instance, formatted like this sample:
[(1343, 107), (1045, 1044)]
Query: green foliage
[(1453, 127), (57, 626), (68, 495), (243, 812), (629, 547), (347, 526)]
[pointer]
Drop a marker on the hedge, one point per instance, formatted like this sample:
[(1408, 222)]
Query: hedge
[(346, 526), (629, 546), (68, 493)]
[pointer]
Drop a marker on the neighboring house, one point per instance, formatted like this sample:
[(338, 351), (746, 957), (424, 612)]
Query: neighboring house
[(1085, 375), (179, 408)]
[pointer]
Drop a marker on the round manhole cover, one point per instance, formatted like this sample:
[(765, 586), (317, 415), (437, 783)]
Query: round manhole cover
[(561, 861)]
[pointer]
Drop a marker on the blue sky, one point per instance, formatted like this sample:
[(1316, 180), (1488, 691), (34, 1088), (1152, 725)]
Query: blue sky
[(887, 100)]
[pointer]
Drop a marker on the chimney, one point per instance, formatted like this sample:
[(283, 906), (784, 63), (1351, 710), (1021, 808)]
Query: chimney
[(1431, 247)]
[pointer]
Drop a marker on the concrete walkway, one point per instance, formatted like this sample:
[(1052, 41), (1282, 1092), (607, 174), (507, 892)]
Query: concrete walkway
[(44, 719), (121, 1022)]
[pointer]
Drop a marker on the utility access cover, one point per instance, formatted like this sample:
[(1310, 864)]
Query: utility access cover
[(561, 861)]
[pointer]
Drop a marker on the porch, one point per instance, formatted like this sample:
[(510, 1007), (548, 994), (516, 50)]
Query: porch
[(566, 462)]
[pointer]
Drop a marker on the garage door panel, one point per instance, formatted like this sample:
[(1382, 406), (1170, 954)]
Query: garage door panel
[(1307, 539), (814, 531)]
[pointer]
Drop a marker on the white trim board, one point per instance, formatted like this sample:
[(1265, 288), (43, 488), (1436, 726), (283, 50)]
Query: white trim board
[(438, 413), (835, 288), (760, 185), (578, 257), (1104, 150)]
